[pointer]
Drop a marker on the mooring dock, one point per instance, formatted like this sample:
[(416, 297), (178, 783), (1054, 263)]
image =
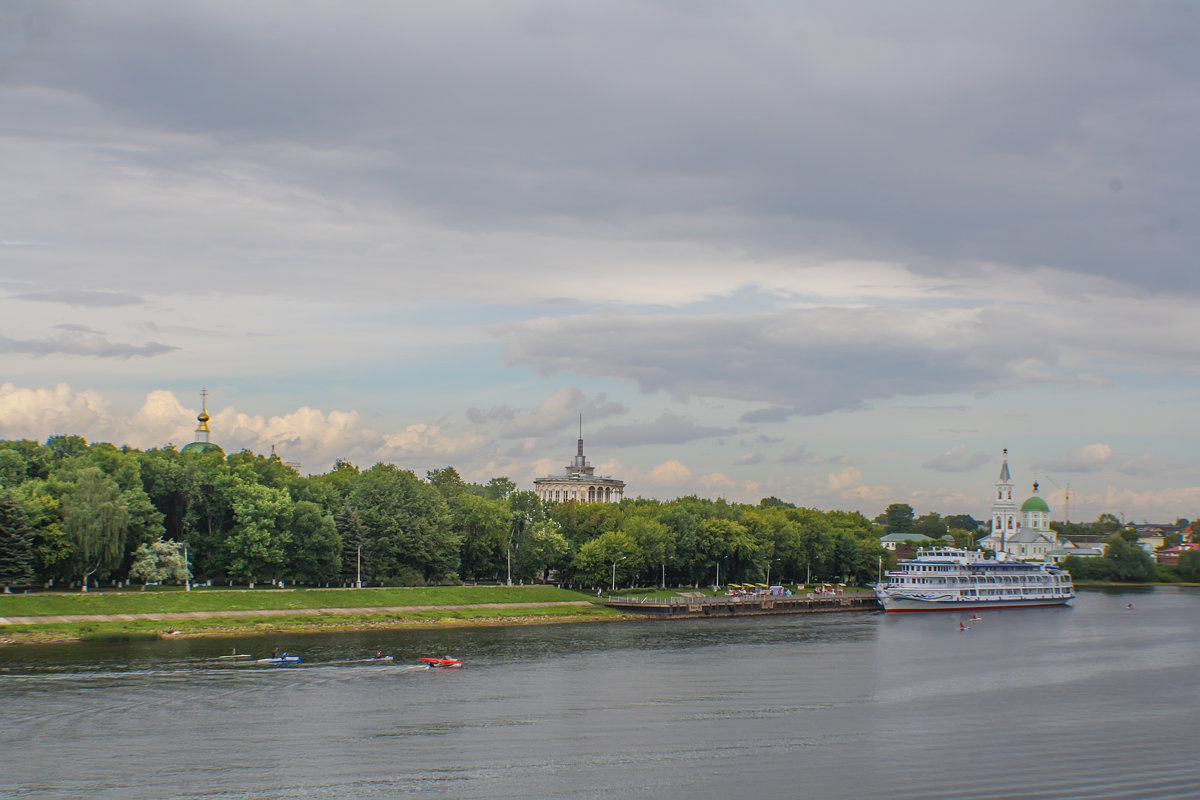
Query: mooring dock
[(745, 606)]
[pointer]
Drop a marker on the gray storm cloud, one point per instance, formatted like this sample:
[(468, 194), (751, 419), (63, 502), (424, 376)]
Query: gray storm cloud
[(82, 298), (79, 344), (667, 429), (939, 134), (808, 362)]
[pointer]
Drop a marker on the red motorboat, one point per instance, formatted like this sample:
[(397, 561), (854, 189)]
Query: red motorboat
[(442, 662)]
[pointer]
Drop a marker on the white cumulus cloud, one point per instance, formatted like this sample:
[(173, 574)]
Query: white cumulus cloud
[(669, 474)]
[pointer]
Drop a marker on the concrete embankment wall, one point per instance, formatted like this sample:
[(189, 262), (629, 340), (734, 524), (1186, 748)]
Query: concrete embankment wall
[(689, 607)]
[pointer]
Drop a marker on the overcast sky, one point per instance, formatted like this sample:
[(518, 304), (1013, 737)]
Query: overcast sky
[(839, 253)]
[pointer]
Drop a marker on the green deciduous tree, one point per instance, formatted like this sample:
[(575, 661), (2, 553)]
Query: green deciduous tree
[(484, 527), (963, 522), (716, 539), (269, 471), (580, 522), (899, 518), (1189, 566), (258, 541), (542, 548), (447, 481), (931, 525), (314, 553), (1129, 561), (774, 502), (12, 468), (407, 524), (211, 488), (655, 543), (63, 448), (498, 488), (168, 483), (160, 561), (608, 555), (41, 500), (526, 511), (329, 490), (145, 521)]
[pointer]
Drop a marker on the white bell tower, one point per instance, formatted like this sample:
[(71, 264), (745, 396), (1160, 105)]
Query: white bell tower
[(1005, 520)]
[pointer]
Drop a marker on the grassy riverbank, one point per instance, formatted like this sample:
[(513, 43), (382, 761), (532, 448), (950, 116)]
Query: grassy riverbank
[(315, 609), (157, 601), (217, 626)]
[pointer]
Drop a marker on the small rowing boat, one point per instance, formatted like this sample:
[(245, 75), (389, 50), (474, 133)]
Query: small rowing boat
[(284, 659)]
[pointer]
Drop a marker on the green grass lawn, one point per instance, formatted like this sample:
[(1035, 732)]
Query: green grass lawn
[(130, 630), (133, 601)]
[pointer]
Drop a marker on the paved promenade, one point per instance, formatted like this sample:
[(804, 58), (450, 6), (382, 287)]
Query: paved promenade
[(269, 612)]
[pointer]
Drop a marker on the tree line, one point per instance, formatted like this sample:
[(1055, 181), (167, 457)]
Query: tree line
[(74, 513)]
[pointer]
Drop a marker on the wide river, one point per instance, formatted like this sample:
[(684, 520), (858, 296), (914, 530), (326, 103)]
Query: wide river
[(1099, 699)]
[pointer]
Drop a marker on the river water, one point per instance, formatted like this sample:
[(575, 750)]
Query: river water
[(1095, 700)]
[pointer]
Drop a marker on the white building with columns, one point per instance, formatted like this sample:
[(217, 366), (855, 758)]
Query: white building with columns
[(579, 482)]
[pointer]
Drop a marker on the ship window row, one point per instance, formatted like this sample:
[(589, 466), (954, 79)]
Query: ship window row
[(1018, 592), (1006, 580)]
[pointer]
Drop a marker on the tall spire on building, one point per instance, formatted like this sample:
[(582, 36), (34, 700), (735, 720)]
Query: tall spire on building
[(580, 481), (580, 461), (202, 432), (1004, 510)]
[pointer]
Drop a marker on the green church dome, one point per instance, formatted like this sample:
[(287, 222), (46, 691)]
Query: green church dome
[(200, 447), (1035, 503), (202, 443)]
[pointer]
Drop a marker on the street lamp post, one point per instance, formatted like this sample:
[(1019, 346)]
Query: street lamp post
[(358, 573), (509, 554), (769, 569), (614, 572), (187, 570)]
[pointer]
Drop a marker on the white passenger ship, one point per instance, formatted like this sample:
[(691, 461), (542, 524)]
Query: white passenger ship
[(947, 578)]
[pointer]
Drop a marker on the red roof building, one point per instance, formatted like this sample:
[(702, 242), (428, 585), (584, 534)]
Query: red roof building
[(1170, 555)]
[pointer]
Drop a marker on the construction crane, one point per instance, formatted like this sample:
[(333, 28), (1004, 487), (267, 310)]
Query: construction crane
[(1066, 497)]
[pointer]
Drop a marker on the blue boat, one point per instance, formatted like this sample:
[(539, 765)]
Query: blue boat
[(283, 659)]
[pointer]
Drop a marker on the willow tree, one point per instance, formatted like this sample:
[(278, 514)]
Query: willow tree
[(95, 520)]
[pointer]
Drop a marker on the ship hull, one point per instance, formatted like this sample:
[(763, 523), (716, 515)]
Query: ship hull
[(892, 603)]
